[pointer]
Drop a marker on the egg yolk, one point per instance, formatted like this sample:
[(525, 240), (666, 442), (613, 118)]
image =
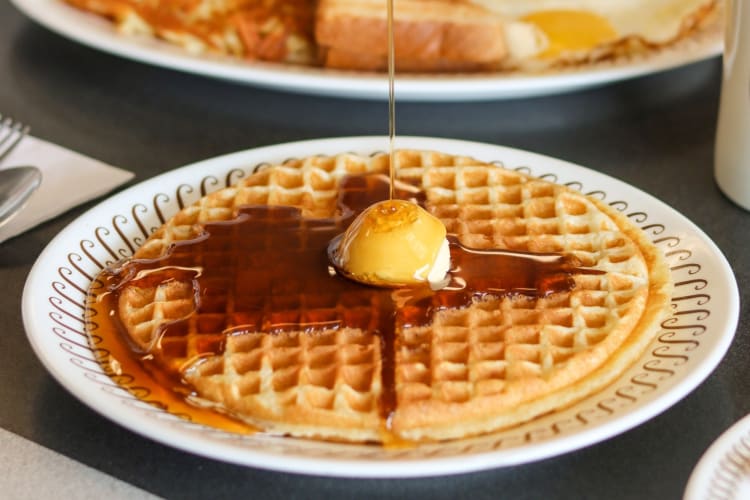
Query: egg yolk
[(571, 30)]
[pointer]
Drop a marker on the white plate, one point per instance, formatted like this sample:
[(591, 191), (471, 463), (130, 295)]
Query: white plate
[(723, 472), (691, 343), (96, 32)]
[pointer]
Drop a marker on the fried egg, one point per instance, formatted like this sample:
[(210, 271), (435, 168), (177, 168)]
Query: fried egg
[(545, 32)]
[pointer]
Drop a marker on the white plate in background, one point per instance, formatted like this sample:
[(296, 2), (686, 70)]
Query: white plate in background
[(97, 32), (723, 472)]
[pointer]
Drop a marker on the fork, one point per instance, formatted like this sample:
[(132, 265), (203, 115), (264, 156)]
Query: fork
[(11, 134), (17, 184)]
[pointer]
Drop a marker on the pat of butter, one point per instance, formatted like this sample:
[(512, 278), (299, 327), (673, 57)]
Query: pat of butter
[(394, 243)]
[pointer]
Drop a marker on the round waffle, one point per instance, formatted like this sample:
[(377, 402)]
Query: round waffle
[(496, 363)]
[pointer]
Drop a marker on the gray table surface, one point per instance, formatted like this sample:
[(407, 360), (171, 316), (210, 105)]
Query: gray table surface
[(656, 133)]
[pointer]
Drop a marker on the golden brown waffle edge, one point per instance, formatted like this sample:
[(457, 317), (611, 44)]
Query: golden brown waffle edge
[(486, 370)]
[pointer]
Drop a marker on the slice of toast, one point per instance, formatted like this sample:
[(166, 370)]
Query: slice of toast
[(429, 35)]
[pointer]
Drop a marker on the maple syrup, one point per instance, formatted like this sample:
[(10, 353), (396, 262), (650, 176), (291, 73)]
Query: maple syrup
[(391, 99), (271, 264)]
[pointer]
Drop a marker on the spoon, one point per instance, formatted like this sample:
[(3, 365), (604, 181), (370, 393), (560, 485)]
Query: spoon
[(16, 187)]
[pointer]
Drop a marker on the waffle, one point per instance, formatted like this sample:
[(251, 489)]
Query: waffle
[(494, 364)]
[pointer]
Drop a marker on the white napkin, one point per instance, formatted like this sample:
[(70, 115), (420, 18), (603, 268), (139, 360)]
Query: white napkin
[(68, 179)]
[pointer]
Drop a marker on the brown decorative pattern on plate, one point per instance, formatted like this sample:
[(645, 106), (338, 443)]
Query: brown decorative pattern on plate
[(733, 469), (723, 473)]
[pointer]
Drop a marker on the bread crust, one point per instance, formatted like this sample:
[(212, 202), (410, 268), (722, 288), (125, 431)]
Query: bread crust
[(429, 35)]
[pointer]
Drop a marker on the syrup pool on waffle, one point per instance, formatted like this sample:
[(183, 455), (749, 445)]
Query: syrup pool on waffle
[(267, 272)]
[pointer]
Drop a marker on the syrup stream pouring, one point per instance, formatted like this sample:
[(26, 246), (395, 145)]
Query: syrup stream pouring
[(17, 184)]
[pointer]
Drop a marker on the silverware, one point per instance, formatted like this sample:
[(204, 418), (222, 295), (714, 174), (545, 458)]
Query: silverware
[(11, 134), (16, 186), (16, 183)]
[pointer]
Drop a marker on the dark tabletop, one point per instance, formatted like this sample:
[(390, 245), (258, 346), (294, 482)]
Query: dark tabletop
[(656, 133)]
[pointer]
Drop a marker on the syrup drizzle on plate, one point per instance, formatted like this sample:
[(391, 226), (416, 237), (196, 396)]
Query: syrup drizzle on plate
[(267, 272)]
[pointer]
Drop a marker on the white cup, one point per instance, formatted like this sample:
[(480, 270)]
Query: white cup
[(732, 156)]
